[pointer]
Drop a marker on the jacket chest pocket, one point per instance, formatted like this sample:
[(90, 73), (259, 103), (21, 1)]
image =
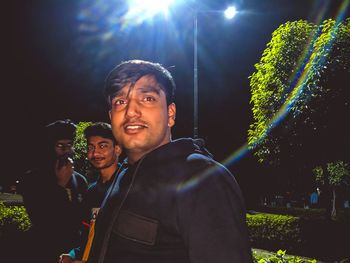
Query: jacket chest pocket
[(137, 228)]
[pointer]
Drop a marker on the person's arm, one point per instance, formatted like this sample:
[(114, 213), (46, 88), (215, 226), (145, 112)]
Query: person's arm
[(75, 254), (212, 219), (66, 258)]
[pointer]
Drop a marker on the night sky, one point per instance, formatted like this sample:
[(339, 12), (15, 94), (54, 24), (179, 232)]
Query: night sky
[(58, 53)]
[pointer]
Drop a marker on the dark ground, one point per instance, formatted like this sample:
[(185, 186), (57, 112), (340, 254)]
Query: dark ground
[(324, 240)]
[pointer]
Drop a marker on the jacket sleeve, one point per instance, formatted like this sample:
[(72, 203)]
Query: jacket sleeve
[(212, 218), (85, 221)]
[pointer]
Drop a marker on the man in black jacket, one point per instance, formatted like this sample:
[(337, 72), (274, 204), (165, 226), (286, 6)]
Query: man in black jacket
[(103, 153), (53, 194), (172, 202)]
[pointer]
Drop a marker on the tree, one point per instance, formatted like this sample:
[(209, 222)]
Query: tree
[(337, 175), (300, 94), (81, 162)]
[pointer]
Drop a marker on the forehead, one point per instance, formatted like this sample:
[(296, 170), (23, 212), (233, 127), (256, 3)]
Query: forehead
[(64, 141), (147, 83), (98, 139)]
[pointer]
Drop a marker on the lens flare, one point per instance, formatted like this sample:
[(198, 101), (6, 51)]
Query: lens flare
[(296, 88), (230, 12), (297, 81)]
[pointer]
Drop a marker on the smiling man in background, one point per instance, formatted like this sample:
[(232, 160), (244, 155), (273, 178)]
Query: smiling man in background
[(103, 153)]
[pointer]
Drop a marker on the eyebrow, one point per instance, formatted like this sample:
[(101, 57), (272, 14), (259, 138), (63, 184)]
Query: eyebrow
[(143, 89), (98, 142), (68, 142), (146, 89), (103, 142)]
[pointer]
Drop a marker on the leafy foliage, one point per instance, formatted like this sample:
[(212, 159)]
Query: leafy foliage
[(81, 162), (335, 179), (13, 219), (80, 144), (337, 174), (274, 230), (280, 257), (318, 172), (296, 81)]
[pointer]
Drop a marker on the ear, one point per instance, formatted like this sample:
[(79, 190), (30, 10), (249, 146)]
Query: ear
[(118, 149), (171, 114), (110, 115)]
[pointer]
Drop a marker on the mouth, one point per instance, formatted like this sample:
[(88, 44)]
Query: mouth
[(97, 160), (133, 128)]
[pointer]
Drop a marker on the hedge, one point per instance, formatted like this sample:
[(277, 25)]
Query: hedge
[(13, 219), (270, 231), (280, 257)]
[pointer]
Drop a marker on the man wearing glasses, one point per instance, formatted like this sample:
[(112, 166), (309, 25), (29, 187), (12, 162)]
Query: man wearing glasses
[(53, 194)]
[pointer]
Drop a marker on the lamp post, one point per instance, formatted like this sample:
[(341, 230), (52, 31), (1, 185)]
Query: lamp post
[(230, 12), (195, 78)]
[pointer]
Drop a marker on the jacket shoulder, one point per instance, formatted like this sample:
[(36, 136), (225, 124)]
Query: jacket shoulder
[(80, 178), (201, 161)]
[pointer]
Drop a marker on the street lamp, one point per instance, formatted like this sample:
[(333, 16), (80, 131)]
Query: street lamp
[(230, 12), (143, 9)]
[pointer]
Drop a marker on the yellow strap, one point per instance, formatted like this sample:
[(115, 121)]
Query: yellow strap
[(89, 241)]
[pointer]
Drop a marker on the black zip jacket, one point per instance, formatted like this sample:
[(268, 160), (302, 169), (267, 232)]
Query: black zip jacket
[(55, 213), (93, 199), (175, 205)]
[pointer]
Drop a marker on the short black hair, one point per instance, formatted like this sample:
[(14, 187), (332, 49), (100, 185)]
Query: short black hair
[(59, 130), (101, 129), (129, 72)]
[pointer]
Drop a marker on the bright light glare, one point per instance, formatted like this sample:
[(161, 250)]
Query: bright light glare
[(230, 12), (149, 8)]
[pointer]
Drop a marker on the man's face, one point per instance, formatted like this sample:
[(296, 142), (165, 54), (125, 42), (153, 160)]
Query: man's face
[(64, 148), (102, 153), (140, 118)]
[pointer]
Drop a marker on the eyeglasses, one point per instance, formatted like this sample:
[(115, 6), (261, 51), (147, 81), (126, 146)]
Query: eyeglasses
[(63, 145)]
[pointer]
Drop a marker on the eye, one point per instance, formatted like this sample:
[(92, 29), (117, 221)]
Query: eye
[(90, 148), (119, 102), (103, 146), (148, 99), (59, 145)]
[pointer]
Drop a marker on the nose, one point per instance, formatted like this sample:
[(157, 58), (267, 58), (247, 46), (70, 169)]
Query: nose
[(96, 152), (66, 149), (133, 109)]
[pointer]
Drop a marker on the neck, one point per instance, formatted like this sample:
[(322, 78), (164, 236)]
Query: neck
[(107, 173), (135, 156)]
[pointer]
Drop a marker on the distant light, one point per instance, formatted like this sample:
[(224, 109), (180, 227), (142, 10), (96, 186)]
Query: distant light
[(230, 12), (150, 7)]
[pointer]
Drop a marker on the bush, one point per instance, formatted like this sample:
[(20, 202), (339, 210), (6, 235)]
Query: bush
[(280, 257), (270, 231), (312, 213), (12, 220)]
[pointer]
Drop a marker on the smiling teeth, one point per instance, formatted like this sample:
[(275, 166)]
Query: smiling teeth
[(134, 127)]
